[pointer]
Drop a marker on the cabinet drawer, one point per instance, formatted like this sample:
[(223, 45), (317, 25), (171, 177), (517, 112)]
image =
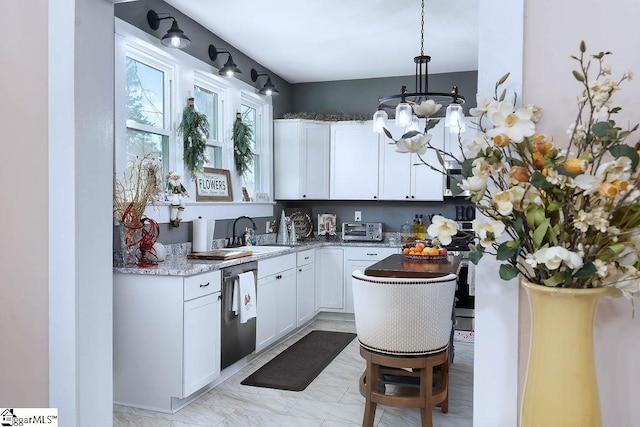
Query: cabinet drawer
[(366, 253), (305, 257), (202, 284), (271, 266)]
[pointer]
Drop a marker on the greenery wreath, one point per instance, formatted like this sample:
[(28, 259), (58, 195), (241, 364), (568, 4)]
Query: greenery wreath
[(194, 129), (242, 137)]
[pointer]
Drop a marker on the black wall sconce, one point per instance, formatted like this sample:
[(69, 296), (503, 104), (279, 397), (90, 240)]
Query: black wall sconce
[(268, 89), (230, 68), (175, 37)]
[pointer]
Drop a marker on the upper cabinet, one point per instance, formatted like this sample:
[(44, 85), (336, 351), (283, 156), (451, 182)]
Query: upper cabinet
[(403, 176), (348, 161), (354, 161), (301, 159)]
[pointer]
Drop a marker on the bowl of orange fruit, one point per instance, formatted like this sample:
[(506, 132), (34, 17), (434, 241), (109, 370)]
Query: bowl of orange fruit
[(424, 252)]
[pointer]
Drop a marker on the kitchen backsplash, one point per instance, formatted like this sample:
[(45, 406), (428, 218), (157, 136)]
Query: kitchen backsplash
[(392, 214)]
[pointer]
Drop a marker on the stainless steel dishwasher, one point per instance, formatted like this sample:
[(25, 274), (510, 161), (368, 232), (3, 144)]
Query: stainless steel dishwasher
[(237, 340)]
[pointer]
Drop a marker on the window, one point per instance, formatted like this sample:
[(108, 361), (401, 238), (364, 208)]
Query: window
[(252, 176), (147, 95), (209, 99), (253, 112)]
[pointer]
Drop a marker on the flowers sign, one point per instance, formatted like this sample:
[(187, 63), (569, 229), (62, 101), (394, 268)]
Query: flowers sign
[(561, 212)]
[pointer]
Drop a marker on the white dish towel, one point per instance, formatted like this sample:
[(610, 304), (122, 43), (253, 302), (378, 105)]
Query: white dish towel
[(247, 285)]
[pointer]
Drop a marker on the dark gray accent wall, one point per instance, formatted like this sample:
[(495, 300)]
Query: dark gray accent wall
[(135, 13), (361, 96)]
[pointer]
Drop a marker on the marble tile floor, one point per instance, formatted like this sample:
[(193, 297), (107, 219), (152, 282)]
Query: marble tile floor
[(331, 400)]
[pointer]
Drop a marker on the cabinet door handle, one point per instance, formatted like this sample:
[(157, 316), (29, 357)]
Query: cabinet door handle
[(279, 276), (306, 257), (299, 269), (204, 285), (369, 254)]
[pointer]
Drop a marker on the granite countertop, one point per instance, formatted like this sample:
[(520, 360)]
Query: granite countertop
[(177, 263)]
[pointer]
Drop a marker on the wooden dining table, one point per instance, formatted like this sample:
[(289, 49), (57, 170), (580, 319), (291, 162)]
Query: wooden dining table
[(398, 265)]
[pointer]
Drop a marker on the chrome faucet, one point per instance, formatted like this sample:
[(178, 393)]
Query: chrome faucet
[(234, 240)]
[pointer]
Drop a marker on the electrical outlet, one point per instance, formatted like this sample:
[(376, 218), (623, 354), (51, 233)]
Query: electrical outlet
[(358, 216)]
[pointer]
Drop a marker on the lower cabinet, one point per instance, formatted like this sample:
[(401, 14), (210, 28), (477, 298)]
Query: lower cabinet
[(276, 305), (201, 353), (360, 259), (305, 286), (329, 279), (166, 337)]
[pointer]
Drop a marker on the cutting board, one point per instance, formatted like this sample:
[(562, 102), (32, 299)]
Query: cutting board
[(219, 254)]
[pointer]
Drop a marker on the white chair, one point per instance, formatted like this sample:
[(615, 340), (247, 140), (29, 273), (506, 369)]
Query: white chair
[(404, 328)]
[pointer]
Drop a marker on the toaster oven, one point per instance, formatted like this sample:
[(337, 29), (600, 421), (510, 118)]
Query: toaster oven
[(362, 231)]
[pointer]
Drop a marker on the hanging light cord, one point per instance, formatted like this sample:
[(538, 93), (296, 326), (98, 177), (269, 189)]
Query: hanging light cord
[(422, 31)]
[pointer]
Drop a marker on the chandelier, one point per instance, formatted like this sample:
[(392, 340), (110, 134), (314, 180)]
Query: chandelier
[(409, 105)]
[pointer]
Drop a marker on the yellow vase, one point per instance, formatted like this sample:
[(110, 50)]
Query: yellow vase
[(561, 389)]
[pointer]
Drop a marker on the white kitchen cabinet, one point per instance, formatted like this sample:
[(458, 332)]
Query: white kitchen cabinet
[(305, 286), (301, 159), (276, 305), (201, 353), (266, 313), (403, 176), (329, 279), (354, 161), (286, 302), (359, 258), (166, 337)]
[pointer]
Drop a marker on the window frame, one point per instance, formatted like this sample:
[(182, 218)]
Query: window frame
[(205, 81), (263, 139), (152, 58)]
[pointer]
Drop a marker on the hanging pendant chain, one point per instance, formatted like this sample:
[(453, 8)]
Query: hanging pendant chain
[(422, 31)]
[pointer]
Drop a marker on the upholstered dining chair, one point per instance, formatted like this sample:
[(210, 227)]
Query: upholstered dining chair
[(404, 328)]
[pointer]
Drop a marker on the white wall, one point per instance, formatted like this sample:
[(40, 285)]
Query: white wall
[(24, 330), (553, 31)]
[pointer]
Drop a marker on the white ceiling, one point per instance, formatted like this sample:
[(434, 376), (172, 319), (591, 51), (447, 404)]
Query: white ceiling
[(323, 40)]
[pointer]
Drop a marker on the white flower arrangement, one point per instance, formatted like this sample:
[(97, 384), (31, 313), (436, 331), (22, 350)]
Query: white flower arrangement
[(561, 217)]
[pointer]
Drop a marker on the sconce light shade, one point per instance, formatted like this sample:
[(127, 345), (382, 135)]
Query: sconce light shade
[(230, 68), (380, 118), (268, 89), (454, 118), (175, 37), (404, 112)]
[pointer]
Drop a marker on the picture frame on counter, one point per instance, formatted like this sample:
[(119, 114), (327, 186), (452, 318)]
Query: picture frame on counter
[(326, 224), (214, 185)]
